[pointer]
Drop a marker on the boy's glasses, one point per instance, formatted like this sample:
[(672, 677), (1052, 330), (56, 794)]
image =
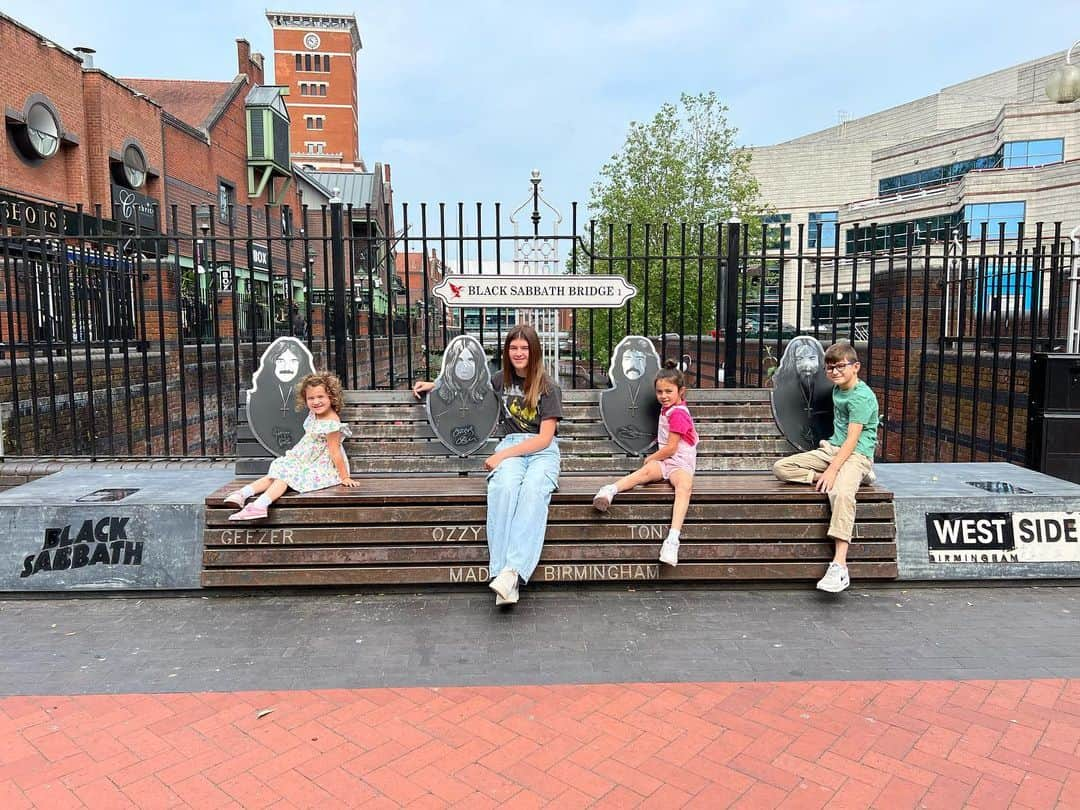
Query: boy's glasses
[(837, 368)]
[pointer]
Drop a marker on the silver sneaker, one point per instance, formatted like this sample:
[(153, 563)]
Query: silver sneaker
[(836, 579), (604, 497), (505, 584), (669, 552)]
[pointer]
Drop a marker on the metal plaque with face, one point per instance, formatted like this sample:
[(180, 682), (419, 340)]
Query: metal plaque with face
[(629, 408), (802, 394), (271, 408), (462, 407)]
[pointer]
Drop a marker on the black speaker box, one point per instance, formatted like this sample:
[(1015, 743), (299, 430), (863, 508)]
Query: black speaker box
[(1054, 383)]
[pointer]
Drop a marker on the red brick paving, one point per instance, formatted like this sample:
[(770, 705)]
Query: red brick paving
[(980, 744)]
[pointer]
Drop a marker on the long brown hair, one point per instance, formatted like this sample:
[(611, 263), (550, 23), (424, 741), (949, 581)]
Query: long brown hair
[(536, 379)]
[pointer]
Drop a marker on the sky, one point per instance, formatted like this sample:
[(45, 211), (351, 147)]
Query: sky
[(463, 99)]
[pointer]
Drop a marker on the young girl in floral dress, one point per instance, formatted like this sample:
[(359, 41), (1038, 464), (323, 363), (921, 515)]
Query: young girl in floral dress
[(316, 461)]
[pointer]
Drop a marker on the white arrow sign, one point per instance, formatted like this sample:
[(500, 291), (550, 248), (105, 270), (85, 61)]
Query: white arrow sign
[(588, 292)]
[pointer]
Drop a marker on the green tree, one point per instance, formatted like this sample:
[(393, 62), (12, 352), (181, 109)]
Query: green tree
[(677, 178)]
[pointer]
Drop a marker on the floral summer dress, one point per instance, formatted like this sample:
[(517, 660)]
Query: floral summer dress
[(307, 466)]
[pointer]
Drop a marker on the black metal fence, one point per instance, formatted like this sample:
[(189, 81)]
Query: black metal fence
[(128, 344)]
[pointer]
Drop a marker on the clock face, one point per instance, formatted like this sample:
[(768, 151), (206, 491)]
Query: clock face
[(311, 41)]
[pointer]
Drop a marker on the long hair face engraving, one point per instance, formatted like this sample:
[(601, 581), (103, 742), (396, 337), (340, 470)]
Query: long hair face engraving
[(464, 373)]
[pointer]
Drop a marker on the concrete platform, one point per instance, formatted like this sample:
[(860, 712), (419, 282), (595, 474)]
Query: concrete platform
[(105, 529), (983, 521)]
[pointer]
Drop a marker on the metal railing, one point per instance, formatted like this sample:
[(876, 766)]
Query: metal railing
[(111, 350)]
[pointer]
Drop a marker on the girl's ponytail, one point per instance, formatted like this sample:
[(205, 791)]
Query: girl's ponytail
[(671, 372)]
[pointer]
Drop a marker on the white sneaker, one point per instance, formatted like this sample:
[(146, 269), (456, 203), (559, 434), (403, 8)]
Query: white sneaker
[(604, 497), (669, 551), (836, 579), (505, 584), (510, 599)]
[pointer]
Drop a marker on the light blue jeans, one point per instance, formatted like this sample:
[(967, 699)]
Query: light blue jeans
[(518, 494)]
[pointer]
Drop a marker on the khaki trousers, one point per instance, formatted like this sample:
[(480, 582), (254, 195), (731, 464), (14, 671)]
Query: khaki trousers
[(801, 468)]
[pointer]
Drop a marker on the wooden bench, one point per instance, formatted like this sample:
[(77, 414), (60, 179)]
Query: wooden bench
[(419, 517)]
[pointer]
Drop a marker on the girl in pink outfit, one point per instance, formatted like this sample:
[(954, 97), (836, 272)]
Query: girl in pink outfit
[(674, 460)]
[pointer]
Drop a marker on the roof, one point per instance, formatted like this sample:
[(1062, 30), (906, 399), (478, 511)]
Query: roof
[(355, 188), (267, 95), (195, 103), (308, 176)]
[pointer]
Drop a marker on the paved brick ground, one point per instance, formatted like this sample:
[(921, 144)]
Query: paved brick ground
[(888, 744)]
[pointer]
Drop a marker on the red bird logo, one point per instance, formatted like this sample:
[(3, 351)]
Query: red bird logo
[(455, 290)]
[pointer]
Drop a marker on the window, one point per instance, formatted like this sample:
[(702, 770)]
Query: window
[(318, 62), (936, 175), (827, 309), (226, 199), (326, 63), (307, 61), (894, 235), (299, 61), (1006, 288), (314, 121), (827, 221), (313, 88), (1034, 153), (36, 133), (778, 223), (1009, 214), (315, 147)]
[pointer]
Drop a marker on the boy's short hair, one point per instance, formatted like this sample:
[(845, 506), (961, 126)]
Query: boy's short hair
[(842, 352)]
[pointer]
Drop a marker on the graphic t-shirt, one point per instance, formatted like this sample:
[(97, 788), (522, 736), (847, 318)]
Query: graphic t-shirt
[(857, 405), (517, 417)]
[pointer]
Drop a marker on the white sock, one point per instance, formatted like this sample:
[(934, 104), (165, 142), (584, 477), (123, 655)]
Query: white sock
[(247, 491), (263, 501), (612, 490), (673, 534)]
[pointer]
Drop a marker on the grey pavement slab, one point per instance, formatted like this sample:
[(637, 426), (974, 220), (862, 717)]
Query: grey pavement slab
[(319, 640)]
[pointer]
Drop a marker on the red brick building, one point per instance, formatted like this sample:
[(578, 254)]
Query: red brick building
[(315, 58)]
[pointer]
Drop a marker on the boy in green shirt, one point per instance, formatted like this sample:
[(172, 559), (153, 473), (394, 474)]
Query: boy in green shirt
[(844, 461)]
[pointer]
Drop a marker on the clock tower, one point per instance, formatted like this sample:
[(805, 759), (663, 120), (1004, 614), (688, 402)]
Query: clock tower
[(315, 58)]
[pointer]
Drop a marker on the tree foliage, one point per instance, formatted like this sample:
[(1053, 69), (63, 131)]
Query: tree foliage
[(676, 179)]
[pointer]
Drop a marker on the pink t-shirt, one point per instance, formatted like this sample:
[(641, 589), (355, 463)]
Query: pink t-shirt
[(680, 421)]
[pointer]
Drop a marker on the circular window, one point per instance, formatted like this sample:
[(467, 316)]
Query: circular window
[(134, 166), (42, 130)]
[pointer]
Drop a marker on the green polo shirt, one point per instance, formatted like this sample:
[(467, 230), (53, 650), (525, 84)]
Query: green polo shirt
[(859, 405)]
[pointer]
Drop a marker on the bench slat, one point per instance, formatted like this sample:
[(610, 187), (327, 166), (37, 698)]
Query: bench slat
[(384, 534), (296, 557), (582, 572)]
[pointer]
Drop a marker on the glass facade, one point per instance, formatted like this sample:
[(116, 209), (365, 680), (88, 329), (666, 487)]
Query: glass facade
[(936, 175), (1003, 283), (827, 309), (1034, 153), (772, 238), (827, 220), (994, 215), (895, 235)]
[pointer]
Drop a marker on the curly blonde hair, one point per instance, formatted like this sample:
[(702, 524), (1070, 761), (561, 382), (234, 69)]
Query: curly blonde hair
[(330, 382)]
